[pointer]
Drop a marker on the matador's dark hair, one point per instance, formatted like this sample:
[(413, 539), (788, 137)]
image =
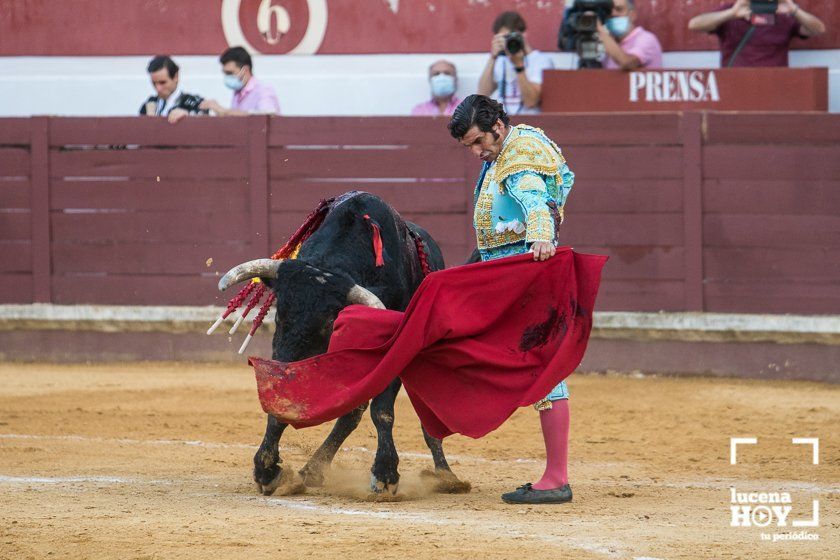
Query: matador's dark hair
[(476, 110)]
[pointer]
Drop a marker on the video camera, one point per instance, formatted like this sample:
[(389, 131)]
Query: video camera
[(579, 30), (763, 12)]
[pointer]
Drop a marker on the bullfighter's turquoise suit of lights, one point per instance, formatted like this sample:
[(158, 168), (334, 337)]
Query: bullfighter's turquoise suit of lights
[(519, 199)]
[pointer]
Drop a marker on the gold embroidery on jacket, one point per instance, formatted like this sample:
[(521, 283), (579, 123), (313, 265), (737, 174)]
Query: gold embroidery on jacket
[(522, 153)]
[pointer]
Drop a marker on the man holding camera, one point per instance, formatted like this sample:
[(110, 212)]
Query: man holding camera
[(757, 32), (627, 45), (513, 74), (171, 101)]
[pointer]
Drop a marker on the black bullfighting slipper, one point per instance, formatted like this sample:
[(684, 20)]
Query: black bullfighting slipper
[(526, 494)]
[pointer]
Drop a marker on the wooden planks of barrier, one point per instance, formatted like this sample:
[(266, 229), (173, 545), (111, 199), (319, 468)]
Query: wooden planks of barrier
[(698, 211)]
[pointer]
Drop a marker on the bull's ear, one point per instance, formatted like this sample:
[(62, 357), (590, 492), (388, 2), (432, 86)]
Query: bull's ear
[(270, 283)]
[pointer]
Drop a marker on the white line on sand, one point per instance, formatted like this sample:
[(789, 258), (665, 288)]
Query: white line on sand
[(69, 480), (63, 479), (711, 484), (477, 525), (482, 525), (128, 441), (214, 445)]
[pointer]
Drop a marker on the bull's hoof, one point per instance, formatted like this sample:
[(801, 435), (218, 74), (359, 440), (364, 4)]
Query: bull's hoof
[(268, 488), (285, 483), (380, 487), (444, 481), (313, 477)]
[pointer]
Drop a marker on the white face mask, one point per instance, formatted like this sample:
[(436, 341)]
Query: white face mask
[(443, 85)]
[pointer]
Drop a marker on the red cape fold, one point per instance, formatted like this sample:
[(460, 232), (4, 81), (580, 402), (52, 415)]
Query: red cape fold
[(475, 343)]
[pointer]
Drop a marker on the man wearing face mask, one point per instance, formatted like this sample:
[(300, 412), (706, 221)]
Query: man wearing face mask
[(627, 45), (443, 81), (250, 95)]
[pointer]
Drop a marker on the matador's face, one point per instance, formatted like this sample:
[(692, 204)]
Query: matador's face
[(485, 145)]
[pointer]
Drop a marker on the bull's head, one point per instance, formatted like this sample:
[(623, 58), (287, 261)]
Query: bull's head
[(309, 299)]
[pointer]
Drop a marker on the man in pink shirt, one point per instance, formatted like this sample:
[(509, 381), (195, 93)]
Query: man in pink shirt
[(250, 96), (628, 46), (443, 81)]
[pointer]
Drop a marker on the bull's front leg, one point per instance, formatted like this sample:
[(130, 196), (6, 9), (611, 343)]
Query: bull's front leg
[(384, 476), (313, 472), (267, 470)]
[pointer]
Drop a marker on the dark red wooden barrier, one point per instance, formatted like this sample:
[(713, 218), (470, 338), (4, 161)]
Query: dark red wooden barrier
[(714, 212)]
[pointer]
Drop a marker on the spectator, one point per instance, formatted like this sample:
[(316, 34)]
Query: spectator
[(443, 81), (743, 43), (628, 46), (170, 102), (513, 79), (250, 95)]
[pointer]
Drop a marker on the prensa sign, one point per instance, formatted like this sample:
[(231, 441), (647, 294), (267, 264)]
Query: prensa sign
[(685, 89), (674, 86)]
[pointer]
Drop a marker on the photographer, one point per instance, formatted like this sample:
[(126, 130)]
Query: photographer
[(513, 74), (171, 101), (750, 41), (627, 45)]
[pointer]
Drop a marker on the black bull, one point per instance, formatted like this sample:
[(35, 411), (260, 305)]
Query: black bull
[(336, 267)]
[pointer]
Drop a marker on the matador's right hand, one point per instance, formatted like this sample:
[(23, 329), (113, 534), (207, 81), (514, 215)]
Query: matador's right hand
[(543, 250)]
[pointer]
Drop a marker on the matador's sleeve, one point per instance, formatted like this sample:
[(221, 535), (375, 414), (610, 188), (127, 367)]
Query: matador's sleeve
[(530, 191)]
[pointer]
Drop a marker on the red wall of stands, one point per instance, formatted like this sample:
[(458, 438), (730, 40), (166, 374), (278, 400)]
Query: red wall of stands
[(698, 211), (199, 27)]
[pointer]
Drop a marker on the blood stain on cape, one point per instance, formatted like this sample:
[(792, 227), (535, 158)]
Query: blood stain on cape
[(539, 334)]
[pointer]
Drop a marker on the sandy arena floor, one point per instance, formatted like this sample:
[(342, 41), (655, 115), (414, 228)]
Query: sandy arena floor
[(154, 461)]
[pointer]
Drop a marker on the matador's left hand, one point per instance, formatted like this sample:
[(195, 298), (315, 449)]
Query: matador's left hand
[(543, 250)]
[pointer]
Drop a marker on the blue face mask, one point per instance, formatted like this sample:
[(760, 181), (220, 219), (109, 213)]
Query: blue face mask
[(443, 85), (233, 82), (618, 26)]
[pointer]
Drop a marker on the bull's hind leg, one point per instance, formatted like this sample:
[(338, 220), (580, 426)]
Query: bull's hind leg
[(444, 479), (267, 470), (384, 476), (313, 472)]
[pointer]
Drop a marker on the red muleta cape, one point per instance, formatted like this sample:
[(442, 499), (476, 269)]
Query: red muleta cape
[(475, 343)]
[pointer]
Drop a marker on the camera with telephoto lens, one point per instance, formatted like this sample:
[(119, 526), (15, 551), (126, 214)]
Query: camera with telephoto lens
[(514, 42), (763, 12), (579, 30)]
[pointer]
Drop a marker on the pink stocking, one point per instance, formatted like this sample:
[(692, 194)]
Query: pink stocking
[(555, 429)]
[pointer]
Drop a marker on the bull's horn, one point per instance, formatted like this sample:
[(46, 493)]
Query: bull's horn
[(259, 268), (361, 296)]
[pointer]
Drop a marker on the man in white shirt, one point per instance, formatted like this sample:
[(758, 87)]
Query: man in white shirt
[(170, 102), (513, 74)]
